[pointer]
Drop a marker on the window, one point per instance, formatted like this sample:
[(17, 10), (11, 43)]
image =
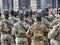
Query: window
[(54, 3), (38, 3), (5, 4), (23, 3)]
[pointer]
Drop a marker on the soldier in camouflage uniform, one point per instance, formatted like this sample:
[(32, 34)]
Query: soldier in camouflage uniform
[(55, 34), (46, 17), (55, 22), (5, 28), (19, 30), (13, 20), (12, 16), (28, 17), (36, 32), (29, 20)]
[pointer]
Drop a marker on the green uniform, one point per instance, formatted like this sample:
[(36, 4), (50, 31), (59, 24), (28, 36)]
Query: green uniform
[(36, 32), (29, 20), (13, 19), (55, 22), (19, 30), (5, 28), (0, 32), (55, 33)]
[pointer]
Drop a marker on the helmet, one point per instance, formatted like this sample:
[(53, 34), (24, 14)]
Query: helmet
[(21, 15), (12, 12), (6, 12)]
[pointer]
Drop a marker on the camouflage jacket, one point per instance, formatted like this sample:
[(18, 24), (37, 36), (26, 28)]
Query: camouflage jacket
[(55, 32), (5, 26), (37, 30), (13, 19), (18, 29), (45, 22), (29, 20)]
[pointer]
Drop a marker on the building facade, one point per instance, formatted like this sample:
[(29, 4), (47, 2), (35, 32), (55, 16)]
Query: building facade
[(14, 4), (34, 4)]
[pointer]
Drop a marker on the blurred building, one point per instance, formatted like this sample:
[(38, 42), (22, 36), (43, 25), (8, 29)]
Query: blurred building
[(34, 4), (18, 4), (6, 4), (49, 3), (14, 4)]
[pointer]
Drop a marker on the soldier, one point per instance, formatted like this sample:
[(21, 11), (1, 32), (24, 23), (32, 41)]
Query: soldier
[(13, 20), (5, 28), (19, 30), (55, 34), (36, 32), (12, 16), (29, 20), (45, 18), (55, 22), (52, 34), (28, 17)]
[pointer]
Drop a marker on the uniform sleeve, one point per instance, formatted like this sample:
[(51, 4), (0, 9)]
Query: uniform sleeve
[(29, 32), (45, 29), (14, 29), (52, 33), (54, 23)]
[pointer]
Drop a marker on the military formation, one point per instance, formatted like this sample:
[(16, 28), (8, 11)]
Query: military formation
[(29, 28)]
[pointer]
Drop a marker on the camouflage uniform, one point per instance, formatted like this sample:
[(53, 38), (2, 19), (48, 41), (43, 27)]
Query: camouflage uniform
[(13, 19), (55, 22), (29, 20), (45, 22), (55, 33), (28, 17), (5, 28), (0, 32), (37, 34), (19, 32)]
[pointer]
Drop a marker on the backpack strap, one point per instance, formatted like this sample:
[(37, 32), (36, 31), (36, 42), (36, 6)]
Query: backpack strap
[(23, 27), (39, 27)]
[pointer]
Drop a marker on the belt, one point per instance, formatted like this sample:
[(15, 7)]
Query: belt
[(38, 40), (6, 32), (23, 36)]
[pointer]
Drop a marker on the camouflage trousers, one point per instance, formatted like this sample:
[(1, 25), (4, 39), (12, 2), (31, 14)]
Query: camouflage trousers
[(37, 42), (5, 39), (21, 41)]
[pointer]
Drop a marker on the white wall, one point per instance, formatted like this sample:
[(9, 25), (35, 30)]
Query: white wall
[(15, 5), (33, 4), (1, 5)]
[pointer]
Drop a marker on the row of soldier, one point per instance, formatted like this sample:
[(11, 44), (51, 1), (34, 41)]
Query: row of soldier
[(27, 28)]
